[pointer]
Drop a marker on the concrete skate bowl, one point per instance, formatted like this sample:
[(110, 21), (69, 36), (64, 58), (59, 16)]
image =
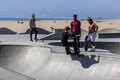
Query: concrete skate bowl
[(113, 47), (109, 33), (40, 31), (6, 31), (58, 33), (40, 64)]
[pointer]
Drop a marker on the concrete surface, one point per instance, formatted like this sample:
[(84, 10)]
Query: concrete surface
[(6, 74), (35, 59), (39, 63)]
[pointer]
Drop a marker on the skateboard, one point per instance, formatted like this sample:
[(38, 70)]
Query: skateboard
[(86, 44)]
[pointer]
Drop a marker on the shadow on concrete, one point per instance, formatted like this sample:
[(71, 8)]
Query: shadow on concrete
[(86, 61), (40, 31), (6, 31)]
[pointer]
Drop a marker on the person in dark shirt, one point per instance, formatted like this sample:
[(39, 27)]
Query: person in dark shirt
[(65, 35), (33, 27)]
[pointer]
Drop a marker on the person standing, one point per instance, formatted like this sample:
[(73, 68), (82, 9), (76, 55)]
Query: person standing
[(76, 30), (90, 38), (33, 27)]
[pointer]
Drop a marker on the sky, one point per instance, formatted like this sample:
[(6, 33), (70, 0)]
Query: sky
[(59, 8)]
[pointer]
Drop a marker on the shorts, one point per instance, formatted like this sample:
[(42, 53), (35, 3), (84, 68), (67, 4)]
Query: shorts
[(91, 37)]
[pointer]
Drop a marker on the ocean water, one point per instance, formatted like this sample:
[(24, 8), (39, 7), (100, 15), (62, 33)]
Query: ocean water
[(15, 19), (26, 19), (39, 19)]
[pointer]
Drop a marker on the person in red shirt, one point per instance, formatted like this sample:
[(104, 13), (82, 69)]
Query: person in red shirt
[(76, 30)]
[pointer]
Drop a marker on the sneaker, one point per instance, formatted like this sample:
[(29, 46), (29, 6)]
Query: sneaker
[(31, 40), (36, 39), (93, 48), (68, 53)]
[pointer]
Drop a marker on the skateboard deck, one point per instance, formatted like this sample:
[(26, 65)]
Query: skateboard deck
[(86, 44)]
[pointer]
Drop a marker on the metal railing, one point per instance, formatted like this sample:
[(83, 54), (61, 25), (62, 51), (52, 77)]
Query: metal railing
[(52, 33)]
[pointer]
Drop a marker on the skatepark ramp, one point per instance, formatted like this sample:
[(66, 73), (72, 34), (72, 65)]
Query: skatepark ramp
[(6, 31), (40, 64), (109, 33), (40, 31)]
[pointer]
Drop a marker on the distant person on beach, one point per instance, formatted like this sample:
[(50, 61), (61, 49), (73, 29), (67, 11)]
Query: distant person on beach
[(90, 38), (76, 30), (33, 27), (65, 36), (20, 22)]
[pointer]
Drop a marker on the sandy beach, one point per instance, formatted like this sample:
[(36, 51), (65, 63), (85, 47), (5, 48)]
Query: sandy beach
[(58, 24)]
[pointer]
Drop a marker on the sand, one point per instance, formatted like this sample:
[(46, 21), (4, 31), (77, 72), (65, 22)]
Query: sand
[(58, 24)]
